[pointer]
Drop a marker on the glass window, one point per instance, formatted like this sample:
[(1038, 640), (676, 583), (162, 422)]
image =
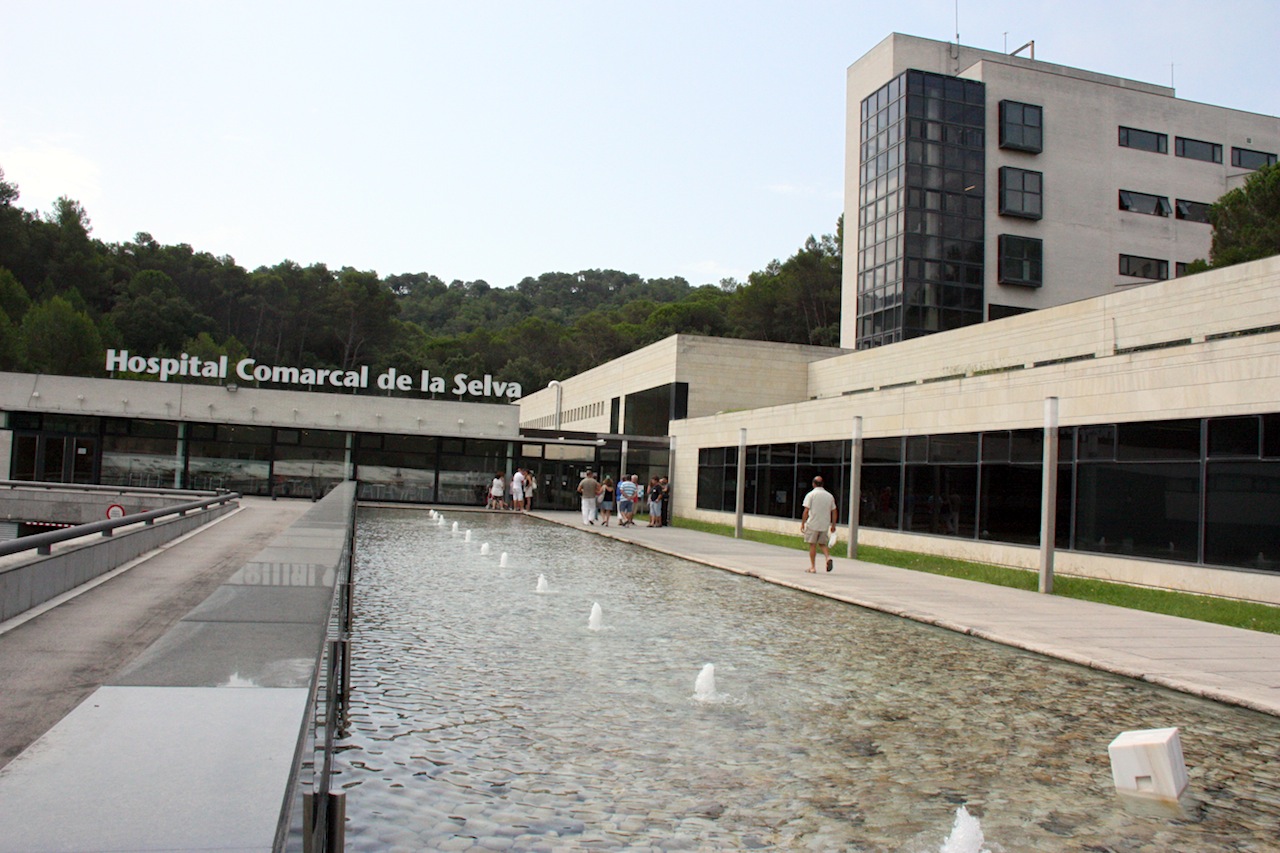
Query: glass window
[(1139, 267), (1010, 509), (1021, 260), (1247, 159), (1021, 126), (1139, 509), (1136, 202), (1021, 193), (940, 499), (881, 450), (1144, 140), (1195, 149), (1192, 211), (1235, 436), (1242, 514), (959, 447), (1157, 440), (141, 459), (1026, 445)]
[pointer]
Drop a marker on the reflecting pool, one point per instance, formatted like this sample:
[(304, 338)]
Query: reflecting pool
[(491, 711)]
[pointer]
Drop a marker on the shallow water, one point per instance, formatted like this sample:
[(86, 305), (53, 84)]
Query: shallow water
[(488, 716)]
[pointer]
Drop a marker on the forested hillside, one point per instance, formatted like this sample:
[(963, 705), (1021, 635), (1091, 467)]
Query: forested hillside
[(65, 297)]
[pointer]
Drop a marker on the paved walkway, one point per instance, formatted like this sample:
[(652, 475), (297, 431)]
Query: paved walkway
[(1231, 665), (54, 656)]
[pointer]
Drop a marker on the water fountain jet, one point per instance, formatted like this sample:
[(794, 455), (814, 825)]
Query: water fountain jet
[(484, 549), (502, 561), (704, 688), (966, 835), (596, 620), (542, 584)]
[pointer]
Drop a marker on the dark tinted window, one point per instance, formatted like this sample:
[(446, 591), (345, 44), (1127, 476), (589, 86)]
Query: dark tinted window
[(1144, 140), (1195, 149)]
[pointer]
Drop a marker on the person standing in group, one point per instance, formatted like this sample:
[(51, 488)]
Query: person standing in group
[(606, 501), (655, 502), (628, 493), (497, 489), (517, 490), (818, 523), (588, 488), (665, 486), (530, 486)]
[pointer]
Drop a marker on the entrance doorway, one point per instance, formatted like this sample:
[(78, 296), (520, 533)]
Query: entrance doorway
[(55, 458)]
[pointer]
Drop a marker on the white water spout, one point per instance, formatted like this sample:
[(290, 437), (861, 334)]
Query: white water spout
[(484, 549), (596, 621), (542, 584), (966, 835), (704, 688), (455, 527), (502, 561), (467, 538)]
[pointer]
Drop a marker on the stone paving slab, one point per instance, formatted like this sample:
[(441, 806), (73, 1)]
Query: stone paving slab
[(1231, 665), (91, 783)]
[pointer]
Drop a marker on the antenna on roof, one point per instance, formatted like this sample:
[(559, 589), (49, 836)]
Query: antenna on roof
[(1031, 44), (955, 53)]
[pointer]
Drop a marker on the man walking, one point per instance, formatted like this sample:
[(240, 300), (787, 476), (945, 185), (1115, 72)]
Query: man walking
[(588, 488), (818, 522)]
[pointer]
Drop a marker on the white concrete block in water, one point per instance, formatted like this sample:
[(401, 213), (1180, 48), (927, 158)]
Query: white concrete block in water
[(1149, 763)]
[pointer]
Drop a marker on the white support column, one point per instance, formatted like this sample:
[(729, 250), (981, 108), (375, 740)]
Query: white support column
[(855, 486), (740, 499), (1049, 495)]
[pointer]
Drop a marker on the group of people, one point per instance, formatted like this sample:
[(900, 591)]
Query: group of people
[(600, 497), (517, 495)]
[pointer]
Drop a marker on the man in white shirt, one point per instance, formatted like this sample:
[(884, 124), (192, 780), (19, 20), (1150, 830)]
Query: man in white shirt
[(818, 522), (517, 490)]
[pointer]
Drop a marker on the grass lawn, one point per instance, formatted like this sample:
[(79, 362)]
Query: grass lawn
[(1223, 611)]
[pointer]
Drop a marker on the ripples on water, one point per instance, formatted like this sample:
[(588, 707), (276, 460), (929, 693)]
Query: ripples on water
[(488, 716)]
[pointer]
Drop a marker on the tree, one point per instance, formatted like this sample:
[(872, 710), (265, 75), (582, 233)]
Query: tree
[(76, 260), (153, 317), (359, 311), (14, 300), (1246, 221), (59, 339)]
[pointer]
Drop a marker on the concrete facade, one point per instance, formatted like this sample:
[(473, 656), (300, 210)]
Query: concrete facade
[(1201, 346), (768, 374), (1083, 228), (218, 404)]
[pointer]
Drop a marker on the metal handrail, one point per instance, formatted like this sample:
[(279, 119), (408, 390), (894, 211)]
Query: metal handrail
[(51, 486), (43, 543)]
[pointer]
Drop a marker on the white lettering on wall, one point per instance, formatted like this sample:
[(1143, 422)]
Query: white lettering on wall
[(248, 370)]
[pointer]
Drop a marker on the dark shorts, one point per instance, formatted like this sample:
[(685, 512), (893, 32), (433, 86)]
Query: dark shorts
[(625, 505)]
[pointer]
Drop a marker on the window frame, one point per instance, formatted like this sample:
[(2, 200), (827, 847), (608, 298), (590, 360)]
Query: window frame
[(1150, 204), (1268, 159), (1004, 252), (1162, 266), (1022, 126), (1180, 149), (1159, 140), (1021, 210), (1184, 207)]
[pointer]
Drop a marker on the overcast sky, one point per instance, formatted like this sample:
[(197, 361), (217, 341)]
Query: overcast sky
[(498, 140)]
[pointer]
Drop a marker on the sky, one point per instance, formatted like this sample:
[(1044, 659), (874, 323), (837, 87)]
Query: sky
[(494, 140)]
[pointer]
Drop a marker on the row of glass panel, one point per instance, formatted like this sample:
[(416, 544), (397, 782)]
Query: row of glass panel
[(1196, 491)]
